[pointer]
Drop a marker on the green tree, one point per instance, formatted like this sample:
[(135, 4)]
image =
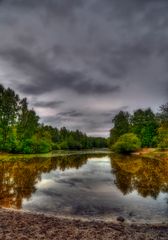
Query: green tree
[(27, 121), (144, 124), (121, 126), (21, 132), (163, 129), (127, 143), (163, 138), (8, 113), (163, 115)]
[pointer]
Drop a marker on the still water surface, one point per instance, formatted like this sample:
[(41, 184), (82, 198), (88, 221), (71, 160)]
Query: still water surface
[(99, 186)]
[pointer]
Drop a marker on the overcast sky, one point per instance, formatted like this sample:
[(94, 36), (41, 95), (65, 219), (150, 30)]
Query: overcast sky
[(81, 61)]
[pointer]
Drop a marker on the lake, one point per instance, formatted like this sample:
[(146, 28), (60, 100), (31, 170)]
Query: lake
[(88, 185)]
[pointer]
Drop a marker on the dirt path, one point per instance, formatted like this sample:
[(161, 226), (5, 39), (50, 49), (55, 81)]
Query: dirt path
[(18, 225)]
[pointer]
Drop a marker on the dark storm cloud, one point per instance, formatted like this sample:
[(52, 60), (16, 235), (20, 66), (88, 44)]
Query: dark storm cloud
[(72, 113), (52, 9), (51, 104), (60, 5), (46, 79), (94, 56), (71, 81)]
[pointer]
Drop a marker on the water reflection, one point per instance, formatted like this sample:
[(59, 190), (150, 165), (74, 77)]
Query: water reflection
[(18, 178), (148, 177), (96, 188)]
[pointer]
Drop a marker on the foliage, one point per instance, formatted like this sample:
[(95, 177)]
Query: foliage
[(21, 132), (150, 128), (163, 115), (8, 114), (27, 121), (163, 129), (163, 138), (144, 124), (127, 143), (121, 126)]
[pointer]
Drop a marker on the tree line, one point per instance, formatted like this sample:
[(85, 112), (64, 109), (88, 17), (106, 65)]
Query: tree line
[(143, 128), (21, 132)]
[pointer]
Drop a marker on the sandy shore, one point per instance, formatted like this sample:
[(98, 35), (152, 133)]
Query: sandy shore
[(20, 225)]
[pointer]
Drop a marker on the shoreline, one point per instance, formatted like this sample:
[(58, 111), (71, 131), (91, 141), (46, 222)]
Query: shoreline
[(154, 153), (16, 224), (85, 218), (16, 156)]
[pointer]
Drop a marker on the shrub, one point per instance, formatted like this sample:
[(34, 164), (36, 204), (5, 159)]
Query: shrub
[(27, 146), (55, 146), (33, 145), (163, 138), (127, 143), (63, 145)]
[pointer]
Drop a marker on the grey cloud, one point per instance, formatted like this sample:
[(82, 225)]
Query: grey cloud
[(72, 113), (86, 53), (46, 79), (113, 112), (99, 122), (52, 9), (46, 104)]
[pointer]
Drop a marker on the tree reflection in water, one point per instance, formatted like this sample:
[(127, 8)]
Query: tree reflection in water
[(148, 177), (18, 178)]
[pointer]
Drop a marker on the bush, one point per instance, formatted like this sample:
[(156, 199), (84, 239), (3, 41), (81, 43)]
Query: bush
[(127, 143), (55, 146), (43, 146), (31, 146), (27, 146), (163, 138), (63, 145)]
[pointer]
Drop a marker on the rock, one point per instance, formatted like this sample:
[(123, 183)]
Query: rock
[(131, 214), (120, 219)]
